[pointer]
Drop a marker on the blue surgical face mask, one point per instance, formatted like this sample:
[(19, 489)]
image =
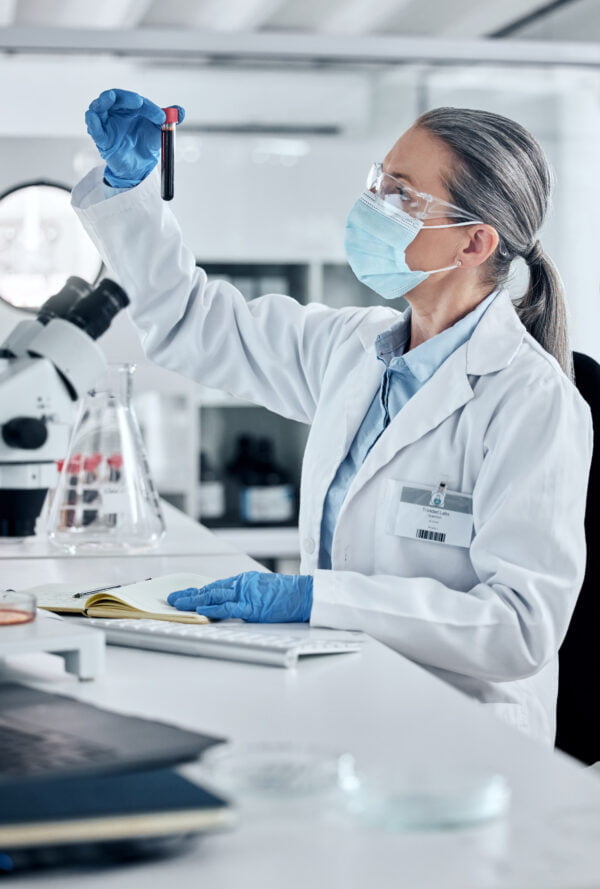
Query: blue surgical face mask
[(376, 238)]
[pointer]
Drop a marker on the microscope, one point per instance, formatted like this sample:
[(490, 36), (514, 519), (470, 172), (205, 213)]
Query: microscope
[(46, 364)]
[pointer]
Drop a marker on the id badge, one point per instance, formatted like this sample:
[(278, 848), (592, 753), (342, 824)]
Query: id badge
[(434, 514)]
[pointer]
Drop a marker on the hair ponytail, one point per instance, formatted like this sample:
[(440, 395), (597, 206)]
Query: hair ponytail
[(542, 308), (502, 176)]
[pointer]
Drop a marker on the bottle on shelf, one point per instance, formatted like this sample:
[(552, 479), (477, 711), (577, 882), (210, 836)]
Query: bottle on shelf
[(273, 501), (240, 473), (211, 492), (261, 491)]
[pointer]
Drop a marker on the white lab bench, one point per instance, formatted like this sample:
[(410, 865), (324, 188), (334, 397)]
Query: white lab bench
[(385, 710)]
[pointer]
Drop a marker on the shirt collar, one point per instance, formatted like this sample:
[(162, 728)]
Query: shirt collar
[(425, 359)]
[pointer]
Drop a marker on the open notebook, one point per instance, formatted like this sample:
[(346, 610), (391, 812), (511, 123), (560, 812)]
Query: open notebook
[(147, 598)]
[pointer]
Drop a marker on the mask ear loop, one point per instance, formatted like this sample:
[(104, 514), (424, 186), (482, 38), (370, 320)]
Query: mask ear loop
[(447, 268)]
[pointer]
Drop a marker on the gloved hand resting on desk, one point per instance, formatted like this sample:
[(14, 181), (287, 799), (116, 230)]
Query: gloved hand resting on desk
[(251, 596), (126, 130)]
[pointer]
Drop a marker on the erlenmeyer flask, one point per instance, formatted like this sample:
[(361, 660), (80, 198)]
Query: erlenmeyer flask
[(105, 498)]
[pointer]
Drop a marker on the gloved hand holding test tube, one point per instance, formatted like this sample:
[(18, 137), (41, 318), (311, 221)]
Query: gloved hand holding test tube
[(129, 132)]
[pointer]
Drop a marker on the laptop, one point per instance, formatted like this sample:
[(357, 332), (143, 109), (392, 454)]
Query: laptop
[(44, 734)]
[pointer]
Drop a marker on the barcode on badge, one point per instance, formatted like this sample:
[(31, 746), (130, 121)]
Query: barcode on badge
[(423, 534)]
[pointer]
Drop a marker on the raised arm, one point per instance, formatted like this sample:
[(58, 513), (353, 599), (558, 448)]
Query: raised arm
[(271, 351)]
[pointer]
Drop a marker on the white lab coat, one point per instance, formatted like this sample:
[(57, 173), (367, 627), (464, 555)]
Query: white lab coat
[(498, 420)]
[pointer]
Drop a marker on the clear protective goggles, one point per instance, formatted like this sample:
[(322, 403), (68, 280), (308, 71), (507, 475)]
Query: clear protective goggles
[(416, 203)]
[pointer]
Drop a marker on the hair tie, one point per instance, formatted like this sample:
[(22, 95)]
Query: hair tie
[(534, 254)]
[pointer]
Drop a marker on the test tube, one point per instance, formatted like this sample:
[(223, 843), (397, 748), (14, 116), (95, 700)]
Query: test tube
[(90, 468), (115, 463), (167, 153), (72, 494)]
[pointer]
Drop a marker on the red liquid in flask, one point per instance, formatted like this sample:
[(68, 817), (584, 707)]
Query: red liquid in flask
[(15, 616)]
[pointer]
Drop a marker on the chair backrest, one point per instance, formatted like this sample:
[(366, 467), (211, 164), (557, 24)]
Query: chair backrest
[(578, 709)]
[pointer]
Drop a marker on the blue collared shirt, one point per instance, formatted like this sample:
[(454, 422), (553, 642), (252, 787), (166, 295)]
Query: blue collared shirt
[(403, 376)]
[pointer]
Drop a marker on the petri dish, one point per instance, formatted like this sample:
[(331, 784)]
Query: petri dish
[(434, 801), (279, 771), (16, 608)]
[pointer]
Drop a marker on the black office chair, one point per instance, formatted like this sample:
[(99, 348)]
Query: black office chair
[(578, 709)]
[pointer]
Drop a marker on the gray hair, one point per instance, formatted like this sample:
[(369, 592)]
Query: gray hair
[(502, 177)]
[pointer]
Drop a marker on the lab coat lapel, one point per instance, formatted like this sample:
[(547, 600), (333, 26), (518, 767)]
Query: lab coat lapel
[(447, 391), (362, 386), (365, 379)]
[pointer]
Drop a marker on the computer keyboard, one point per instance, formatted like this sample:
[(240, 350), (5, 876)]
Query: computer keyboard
[(233, 643)]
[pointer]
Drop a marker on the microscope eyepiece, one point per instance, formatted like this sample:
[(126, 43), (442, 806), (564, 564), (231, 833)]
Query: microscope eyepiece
[(59, 305), (95, 312), (90, 310)]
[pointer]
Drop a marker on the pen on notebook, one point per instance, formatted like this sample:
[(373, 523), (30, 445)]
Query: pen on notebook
[(102, 589)]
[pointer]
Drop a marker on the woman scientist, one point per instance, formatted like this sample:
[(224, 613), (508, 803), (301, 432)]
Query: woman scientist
[(444, 479)]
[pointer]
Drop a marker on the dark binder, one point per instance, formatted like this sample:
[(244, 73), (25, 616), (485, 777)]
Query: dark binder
[(83, 820)]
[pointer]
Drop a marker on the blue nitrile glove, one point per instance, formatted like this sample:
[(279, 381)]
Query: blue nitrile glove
[(126, 129), (251, 596)]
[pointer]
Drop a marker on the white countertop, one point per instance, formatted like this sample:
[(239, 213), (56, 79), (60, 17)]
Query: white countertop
[(389, 713), (183, 537)]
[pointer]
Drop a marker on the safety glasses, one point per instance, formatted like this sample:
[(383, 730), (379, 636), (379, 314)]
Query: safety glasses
[(416, 203)]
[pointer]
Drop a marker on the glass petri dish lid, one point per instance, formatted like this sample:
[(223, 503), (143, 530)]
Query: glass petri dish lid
[(279, 770), (433, 801)]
